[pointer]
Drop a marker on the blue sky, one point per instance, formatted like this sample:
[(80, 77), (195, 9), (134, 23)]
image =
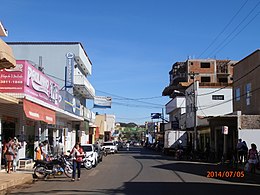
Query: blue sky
[(133, 43)]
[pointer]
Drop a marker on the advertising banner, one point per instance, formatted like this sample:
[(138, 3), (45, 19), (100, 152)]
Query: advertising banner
[(69, 103), (27, 79), (102, 102), (69, 70), (39, 113)]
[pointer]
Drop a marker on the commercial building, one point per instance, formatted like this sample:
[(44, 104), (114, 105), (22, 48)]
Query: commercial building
[(199, 89), (68, 65)]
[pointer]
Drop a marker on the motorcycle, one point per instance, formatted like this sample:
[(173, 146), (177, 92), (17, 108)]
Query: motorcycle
[(55, 167)]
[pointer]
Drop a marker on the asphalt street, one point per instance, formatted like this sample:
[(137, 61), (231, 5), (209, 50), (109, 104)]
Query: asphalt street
[(141, 171)]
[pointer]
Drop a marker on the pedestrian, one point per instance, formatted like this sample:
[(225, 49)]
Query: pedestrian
[(9, 154), (253, 158), (4, 149), (77, 154), (38, 150), (239, 151), (16, 148), (244, 151)]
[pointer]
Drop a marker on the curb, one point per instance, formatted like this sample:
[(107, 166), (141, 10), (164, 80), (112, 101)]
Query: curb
[(14, 180)]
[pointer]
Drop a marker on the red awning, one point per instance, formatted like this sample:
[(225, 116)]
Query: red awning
[(37, 112)]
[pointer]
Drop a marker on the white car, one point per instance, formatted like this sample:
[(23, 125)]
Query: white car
[(91, 153), (110, 147)]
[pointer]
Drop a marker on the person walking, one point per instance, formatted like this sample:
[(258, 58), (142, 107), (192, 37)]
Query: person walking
[(240, 151), (253, 158), (16, 148), (9, 154), (77, 154)]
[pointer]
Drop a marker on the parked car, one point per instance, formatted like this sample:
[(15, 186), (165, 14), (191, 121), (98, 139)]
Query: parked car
[(92, 154), (110, 147)]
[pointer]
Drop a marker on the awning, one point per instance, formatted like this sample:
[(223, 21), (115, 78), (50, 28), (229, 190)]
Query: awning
[(37, 112), (7, 99), (7, 59)]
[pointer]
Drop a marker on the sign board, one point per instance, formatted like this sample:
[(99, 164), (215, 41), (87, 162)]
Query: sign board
[(225, 130), (28, 80), (155, 115), (102, 102), (69, 76), (69, 103)]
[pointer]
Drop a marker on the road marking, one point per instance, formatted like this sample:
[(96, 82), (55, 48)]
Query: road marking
[(93, 173)]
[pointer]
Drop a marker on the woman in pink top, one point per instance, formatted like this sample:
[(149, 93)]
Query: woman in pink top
[(253, 158), (77, 154)]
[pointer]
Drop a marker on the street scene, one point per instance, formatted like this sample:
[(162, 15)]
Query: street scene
[(129, 97), (143, 171)]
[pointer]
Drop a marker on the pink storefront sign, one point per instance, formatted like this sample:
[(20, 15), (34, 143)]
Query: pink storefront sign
[(27, 79)]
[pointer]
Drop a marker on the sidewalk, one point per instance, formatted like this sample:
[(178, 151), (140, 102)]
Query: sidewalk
[(14, 179)]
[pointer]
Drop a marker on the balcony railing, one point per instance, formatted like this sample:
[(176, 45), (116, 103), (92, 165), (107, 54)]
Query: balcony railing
[(83, 86), (88, 115)]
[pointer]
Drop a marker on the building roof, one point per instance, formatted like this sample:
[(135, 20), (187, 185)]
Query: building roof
[(247, 57), (50, 43)]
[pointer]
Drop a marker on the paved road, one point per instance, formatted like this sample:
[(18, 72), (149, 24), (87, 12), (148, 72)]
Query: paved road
[(141, 171)]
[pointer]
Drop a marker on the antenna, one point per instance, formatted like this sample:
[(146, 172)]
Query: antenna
[(40, 68)]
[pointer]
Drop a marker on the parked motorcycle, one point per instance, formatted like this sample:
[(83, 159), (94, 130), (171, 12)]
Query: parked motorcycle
[(55, 167)]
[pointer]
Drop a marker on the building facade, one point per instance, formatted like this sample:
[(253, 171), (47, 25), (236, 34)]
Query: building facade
[(246, 89), (68, 64), (204, 84)]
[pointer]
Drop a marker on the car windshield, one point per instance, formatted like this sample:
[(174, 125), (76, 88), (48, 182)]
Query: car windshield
[(108, 144), (87, 148)]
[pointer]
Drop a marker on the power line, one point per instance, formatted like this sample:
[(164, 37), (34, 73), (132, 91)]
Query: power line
[(232, 82), (121, 97), (250, 12), (232, 99), (132, 99), (237, 33), (223, 30)]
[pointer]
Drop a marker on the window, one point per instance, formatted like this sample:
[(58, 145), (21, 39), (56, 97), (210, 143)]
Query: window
[(248, 93), (205, 79), (205, 64), (217, 97), (223, 80), (237, 94)]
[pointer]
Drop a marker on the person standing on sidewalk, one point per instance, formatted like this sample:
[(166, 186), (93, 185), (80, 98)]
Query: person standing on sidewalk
[(77, 154), (240, 151), (253, 158), (9, 154), (16, 148)]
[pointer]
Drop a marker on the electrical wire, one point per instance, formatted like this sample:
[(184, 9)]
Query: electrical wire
[(223, 30), (237, 33), (123, 98), (253, 91), (231, 84), (250, 12)]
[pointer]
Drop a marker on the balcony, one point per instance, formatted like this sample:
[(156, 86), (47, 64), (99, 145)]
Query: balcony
[(176, 103), (88, 115), (83, 87)]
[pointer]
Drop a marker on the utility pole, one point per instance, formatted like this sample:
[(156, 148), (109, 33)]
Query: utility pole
[(195, 138)]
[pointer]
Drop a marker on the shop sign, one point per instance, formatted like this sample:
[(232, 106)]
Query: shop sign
[(225, 130), (69, 70), (39, 113), (69, 103), (102, 102), (28, 80)]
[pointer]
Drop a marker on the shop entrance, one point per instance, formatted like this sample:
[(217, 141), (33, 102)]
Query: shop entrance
[(8, 130)]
